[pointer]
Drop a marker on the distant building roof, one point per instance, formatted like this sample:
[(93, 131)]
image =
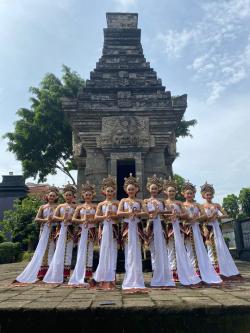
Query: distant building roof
[(13, 184), (37, 187)]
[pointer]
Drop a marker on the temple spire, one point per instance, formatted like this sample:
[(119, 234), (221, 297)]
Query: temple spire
[(122, 20)]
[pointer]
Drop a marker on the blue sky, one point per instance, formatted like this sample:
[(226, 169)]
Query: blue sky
[(198, 47)]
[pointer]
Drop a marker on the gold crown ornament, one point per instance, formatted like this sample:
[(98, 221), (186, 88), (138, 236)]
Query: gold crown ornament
[(108, 182), (87, 187), (188, 186), (154, 181), (53, 189), (169, 183), (207, 188), (131, 181), (69, 188)]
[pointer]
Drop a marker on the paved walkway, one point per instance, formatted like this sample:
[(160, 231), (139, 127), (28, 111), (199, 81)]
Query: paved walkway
[(232, 299)]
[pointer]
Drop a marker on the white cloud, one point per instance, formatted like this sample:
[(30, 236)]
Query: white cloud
[(125, 4), (218, 152), (215, 92), (175, 42), (219, 44)]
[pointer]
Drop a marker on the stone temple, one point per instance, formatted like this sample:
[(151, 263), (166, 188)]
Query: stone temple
[(124, 120)]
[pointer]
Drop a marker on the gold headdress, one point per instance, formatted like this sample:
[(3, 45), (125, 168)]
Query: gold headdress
[(188, 186), (87, 187), (169, 183), (156, 181), (69, 188), (108, 182), (53, 189), (207, 188), (131, 180)]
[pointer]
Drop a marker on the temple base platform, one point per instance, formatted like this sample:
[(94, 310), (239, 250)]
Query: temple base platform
[(59, 308)]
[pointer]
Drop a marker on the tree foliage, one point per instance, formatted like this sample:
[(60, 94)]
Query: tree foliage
[(231, 205), (42, 138), (19, 223), (238, 207), (179, 181), (184, 128), (244, 200)]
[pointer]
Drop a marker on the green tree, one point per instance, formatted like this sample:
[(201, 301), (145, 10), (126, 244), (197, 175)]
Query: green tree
[(19, 223), (244, 200), (179, 181), (231, 205), (2, 237), (183, 128), (42, 139)]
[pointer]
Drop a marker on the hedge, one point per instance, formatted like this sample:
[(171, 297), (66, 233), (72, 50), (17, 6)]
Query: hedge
[(9, 252)]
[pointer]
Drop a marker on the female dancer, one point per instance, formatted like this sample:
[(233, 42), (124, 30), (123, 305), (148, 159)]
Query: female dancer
[(59, 269), (177, 251), (38, 266), (156, 235), (217, 249), (84, 217), (194, 242), (132, 209), (108, 235)]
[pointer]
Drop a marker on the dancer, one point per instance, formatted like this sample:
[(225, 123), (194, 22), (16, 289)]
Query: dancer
[(59, 269), (193, 241), (156, 235), (38, 266), (132, 209), (217, 249), (178, 255), (106, 214), (84, 217)]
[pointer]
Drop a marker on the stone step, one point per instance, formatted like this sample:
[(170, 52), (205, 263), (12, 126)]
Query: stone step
[(40, 308)]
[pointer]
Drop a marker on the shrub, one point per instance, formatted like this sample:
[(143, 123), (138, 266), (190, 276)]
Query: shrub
[(19, 223), (242, 216), (2, 238), (227, 241), (9, 252), (26, 256)]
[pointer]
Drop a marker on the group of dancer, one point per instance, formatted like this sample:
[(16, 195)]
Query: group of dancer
[(184, 238)]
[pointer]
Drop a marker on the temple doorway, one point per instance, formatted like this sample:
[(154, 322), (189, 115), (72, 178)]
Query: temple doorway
[(124, 168)]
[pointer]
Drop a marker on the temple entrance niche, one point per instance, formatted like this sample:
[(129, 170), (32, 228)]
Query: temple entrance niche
[(124, 168)]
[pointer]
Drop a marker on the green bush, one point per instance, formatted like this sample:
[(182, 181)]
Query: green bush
[(242, 216), (26, 256), (227, 241), (19, 223), (9, 252), (2, 238)]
